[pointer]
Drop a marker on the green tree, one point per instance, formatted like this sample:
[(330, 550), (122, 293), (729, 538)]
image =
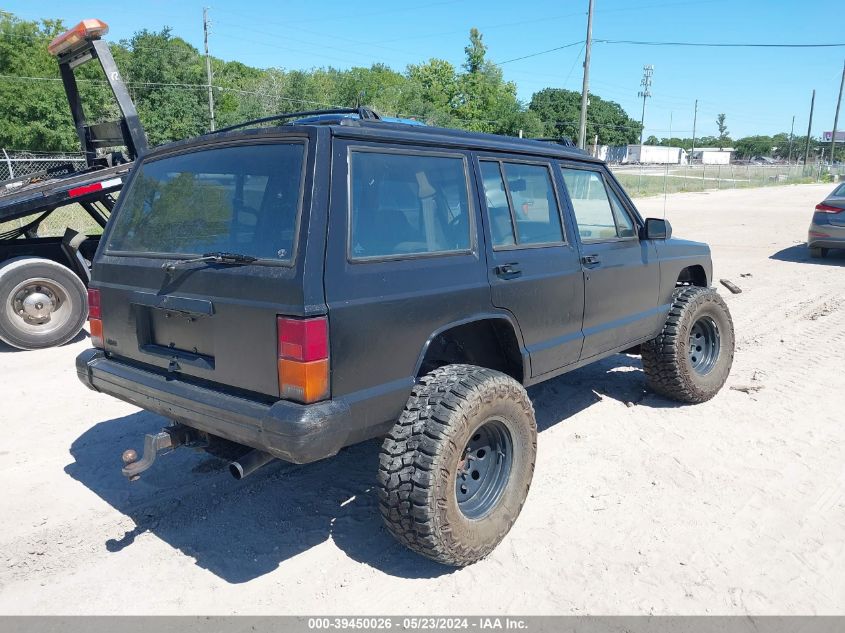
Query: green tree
[(751, 146), (724, 139), (166, 78), (560, 109), (485, 102), (475, 52)]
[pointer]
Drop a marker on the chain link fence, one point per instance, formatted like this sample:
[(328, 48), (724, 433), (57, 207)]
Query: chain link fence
[(648, 180), (19, 164)]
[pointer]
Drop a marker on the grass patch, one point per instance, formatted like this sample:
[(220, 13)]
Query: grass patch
[(54, 225)]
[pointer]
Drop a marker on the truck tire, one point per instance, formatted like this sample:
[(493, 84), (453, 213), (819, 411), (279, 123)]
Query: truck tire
[(42, 303), (689, 361), (455, 469)]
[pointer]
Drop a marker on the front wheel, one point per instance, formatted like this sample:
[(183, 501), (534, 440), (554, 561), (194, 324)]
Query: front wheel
[(689, 361), (455, 469)]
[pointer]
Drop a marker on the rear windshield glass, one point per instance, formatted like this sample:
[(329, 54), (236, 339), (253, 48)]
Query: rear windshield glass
[(242, 199)]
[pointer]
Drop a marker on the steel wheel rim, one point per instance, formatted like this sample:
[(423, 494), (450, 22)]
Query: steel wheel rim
[(704, 345), (484, 469), (39, 306)]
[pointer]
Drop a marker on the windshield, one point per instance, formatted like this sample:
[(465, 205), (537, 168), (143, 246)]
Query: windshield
[(242, 199)]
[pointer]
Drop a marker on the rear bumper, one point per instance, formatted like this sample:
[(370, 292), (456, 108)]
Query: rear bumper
[(294, 432), (823, 234), (824, 242)]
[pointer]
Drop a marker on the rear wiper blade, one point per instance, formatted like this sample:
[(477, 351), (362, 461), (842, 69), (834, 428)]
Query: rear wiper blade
[(217, 257)]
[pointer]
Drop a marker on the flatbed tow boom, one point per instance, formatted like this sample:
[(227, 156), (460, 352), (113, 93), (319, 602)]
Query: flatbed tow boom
[(55, 270)]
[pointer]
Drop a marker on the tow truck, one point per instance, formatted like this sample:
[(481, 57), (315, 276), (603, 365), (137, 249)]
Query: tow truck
[(43, 280)]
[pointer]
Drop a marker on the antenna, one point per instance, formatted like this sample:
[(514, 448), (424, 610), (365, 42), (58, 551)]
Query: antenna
[(666, 173)]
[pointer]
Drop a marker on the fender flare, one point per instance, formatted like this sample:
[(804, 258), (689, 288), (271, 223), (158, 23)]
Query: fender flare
[(484, 316)]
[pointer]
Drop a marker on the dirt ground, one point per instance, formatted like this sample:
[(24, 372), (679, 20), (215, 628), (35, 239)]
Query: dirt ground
[(638, 505)]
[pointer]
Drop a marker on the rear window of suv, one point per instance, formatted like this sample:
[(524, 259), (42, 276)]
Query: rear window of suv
[(243, 199)]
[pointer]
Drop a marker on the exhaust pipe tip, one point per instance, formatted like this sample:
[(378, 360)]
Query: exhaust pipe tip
[(249, 463), (237, 470)]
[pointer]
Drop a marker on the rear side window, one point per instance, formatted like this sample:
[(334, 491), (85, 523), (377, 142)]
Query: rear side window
[(242, 199), (525, 211), (598, 211), (407, 204)]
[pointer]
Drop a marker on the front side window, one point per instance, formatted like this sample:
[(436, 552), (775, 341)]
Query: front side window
[(242, 199), (524, 212), (407, 204), (598, 211)]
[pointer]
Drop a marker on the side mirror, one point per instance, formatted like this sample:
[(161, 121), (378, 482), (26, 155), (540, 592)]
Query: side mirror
[(656, 229)]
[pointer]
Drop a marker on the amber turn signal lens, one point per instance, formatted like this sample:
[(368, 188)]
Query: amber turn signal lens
[(96, 327), (304, 382)]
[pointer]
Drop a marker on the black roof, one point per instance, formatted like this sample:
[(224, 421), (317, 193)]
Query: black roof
[(372, 127)]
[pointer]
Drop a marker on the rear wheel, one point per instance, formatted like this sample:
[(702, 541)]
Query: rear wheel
[(817, 252), (455, 470), (42, 303), (689, 361)]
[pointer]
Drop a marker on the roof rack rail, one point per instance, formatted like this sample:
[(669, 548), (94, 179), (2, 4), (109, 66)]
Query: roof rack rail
[(362, 112), (561, 140)]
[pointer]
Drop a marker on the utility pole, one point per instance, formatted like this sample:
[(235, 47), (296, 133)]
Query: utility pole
[(205, 25), (809, 130), (648, 71), (585, 87), (791, 130), (836, 116), (694, 121)]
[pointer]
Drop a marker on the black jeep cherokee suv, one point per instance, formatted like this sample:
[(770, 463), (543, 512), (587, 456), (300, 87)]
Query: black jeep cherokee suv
[(298, 288)]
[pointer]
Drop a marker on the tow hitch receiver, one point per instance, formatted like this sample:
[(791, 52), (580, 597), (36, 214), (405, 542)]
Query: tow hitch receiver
[(168, 438)]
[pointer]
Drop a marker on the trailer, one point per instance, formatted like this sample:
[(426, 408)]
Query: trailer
[(656, 155), (43, 280)]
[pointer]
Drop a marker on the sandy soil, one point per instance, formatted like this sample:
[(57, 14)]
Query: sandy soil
[(638, 505)]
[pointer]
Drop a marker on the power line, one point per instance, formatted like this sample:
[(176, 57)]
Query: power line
[(551, 50), (718, 45)]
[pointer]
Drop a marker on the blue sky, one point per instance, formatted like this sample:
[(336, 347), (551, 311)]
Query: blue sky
[(758, 89)]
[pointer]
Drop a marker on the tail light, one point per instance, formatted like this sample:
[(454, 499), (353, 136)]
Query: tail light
[(95, 318), (826, 208), (303, 358)]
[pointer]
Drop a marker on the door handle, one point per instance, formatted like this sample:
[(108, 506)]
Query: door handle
[(591, 260), (508, 271)]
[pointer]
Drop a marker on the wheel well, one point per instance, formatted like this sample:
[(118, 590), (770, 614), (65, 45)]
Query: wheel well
[(489, 343), (692, 276)]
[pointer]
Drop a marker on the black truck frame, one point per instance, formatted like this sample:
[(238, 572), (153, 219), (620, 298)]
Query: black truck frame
[(42, 279)]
